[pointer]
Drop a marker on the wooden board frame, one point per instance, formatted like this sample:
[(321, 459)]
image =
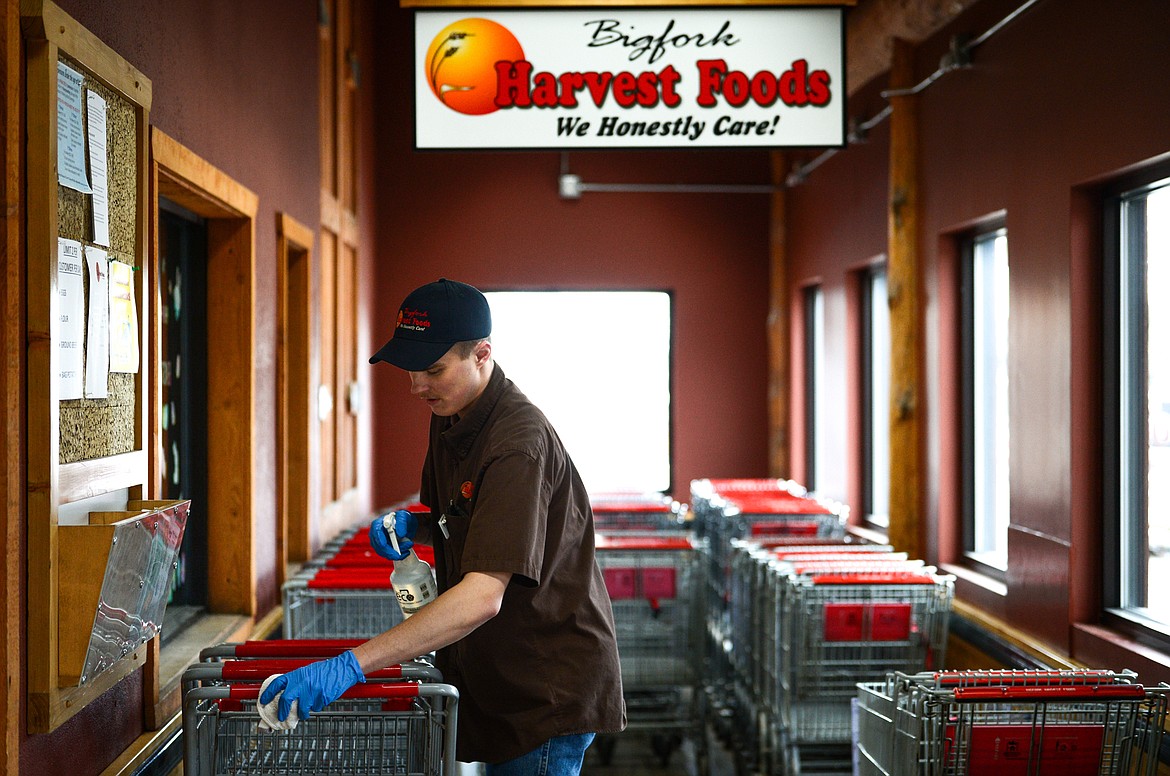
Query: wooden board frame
[(49, 32)]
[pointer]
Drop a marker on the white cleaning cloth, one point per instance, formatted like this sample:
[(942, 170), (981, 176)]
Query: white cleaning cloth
[(268, 716)]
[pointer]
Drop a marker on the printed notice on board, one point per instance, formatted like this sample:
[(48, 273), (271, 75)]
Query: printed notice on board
[(97, 336), (123, 319), (70, 130), (96, 112), (70, 315)]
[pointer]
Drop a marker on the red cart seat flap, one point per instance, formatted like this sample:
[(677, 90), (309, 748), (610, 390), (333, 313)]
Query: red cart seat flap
[(892, 578), (607, 541)]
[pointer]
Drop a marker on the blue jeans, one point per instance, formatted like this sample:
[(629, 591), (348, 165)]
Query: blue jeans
[(559, 756)]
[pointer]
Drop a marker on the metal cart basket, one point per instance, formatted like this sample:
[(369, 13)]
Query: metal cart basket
[(1009, 723), (404, 728), (654, 584), (334, 603)]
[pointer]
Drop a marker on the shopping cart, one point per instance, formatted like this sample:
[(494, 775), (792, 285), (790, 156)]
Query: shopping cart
[(400, 728), (636, 514), (840, 628), (1009, 723), (324, 603), (653, 580), (349, 600), (742, 671)]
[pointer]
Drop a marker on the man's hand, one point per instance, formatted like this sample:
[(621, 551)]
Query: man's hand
[(404, 524), (314, 686)]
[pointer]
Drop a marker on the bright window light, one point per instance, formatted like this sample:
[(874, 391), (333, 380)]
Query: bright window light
[(598, 364)]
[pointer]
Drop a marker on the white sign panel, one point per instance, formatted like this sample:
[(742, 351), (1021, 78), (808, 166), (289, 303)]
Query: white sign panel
[(70, 319), (630, 78)]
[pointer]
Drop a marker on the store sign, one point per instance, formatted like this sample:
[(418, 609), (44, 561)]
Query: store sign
[(617, 78)]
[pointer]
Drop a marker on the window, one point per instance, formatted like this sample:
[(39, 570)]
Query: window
[(814, 383), (1137, 402), (986, 492), (598, 364), (875, 408)]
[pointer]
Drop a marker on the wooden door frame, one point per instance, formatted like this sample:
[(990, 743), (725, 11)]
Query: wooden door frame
[(230, 210)]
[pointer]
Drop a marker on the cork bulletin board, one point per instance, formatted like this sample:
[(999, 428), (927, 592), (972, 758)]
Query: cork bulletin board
[(95, 428), (78, 449)]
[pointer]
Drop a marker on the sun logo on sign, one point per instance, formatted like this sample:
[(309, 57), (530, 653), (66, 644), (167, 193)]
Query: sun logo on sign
[(461, 63)]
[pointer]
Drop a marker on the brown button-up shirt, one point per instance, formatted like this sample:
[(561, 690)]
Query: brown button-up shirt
[(511, 501)]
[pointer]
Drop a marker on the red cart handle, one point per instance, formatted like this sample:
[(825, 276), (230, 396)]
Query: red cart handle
[(1043, 692), (251, 692), (295, 647), (262, 669)]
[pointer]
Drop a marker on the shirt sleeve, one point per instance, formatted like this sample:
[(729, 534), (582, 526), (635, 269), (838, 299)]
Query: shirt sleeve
[(509, 519)]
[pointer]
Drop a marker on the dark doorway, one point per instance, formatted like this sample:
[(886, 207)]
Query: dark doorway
[(183, 323)]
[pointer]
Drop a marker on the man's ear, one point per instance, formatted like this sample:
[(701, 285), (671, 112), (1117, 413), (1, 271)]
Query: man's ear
[(483, 352)]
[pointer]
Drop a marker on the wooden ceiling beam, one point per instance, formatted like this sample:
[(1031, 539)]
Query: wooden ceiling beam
[(872, 25)]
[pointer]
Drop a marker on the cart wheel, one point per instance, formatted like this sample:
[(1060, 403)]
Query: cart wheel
[(793, 766), (664, 745), (605, 744), (702, 756)]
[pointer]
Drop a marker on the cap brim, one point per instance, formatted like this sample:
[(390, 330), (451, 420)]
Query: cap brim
[(411, 355)]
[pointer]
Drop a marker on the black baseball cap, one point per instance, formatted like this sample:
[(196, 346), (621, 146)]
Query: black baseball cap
[(432, 319)]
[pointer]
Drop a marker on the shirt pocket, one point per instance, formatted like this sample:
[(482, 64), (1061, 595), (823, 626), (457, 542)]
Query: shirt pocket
[(453, 527)]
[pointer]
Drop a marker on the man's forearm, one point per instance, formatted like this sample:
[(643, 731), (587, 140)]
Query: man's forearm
[(450, 617)]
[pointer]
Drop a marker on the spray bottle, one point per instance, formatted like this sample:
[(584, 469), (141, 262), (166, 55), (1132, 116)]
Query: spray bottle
[(412, 579)]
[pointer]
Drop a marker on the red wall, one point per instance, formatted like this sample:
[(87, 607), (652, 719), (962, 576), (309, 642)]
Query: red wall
[(495, 219), (1068, 94)]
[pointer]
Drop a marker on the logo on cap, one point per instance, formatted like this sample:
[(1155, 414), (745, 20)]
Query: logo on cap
[(413, 320)]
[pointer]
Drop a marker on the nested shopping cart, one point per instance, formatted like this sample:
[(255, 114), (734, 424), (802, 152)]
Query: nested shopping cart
[(376, 728), (613, 514), (841, 627), (654, 583), (346, 601), (1009, 723), (747, 675), (401, 721)]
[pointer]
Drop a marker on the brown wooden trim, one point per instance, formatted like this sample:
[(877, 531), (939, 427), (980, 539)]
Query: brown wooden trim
[(42, 418), (1098, 646), (230, 209), (294, 391), (1014, 637), (902, 281), (195, 184), (84, 479), (12, 376), (535, 4), (44, 21)]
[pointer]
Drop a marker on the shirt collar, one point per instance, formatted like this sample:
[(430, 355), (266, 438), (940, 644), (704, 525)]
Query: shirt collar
[(462, 433)]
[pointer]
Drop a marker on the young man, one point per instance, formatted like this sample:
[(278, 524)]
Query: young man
[(523, 625)]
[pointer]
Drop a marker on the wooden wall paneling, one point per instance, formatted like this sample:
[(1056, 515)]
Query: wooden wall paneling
[(779, 327), (294, 387), (906, 390), (231, 392)]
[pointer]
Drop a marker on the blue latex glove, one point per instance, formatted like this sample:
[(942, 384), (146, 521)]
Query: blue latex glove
[(405, 525), (314, 686)]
